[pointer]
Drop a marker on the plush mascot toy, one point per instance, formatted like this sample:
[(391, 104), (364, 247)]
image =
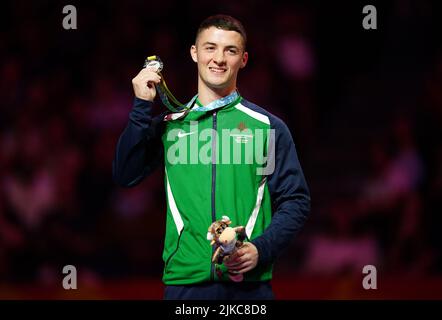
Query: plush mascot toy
[(226, 241)]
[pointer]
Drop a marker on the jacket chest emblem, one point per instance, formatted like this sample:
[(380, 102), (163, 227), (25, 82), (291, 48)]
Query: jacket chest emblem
[(239, 135)]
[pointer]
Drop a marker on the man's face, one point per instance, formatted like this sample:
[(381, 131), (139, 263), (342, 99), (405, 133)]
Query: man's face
[(219, 55)]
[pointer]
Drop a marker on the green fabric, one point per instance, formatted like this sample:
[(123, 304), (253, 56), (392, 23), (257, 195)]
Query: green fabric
[(187, 256)]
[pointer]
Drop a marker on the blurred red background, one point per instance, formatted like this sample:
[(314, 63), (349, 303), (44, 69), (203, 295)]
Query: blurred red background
[(364, 108)]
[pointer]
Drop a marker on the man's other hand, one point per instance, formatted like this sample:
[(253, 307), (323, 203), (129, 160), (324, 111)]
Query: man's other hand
[(244, 259)]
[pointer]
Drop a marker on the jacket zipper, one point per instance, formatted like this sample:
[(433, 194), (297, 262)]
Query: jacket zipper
[(212, 271)]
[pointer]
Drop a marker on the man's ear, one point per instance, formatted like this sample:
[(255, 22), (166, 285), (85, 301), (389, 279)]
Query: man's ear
[(245, 58), (193, 53)]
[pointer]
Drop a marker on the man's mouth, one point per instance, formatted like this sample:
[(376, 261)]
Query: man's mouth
[(217, 70)]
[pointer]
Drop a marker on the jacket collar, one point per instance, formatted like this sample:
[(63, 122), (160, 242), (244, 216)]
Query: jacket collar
[(195, 110)]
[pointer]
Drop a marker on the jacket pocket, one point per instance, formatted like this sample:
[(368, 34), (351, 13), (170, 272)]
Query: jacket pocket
[(169, 259)]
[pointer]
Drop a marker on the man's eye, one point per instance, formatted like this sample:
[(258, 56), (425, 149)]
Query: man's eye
[(233, 51), (210, 48)]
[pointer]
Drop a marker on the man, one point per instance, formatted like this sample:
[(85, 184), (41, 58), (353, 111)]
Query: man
[(269, 198)]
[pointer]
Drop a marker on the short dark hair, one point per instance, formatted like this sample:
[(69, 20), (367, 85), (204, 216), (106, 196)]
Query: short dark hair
[(224, 22)]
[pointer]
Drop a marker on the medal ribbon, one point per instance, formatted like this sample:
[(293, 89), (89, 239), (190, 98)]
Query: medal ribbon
[(180, 110), (221, 102), (167, 98)]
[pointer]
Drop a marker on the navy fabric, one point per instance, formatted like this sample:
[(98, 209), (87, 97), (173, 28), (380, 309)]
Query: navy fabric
[(288, 191), (139, 150), (221, 291)]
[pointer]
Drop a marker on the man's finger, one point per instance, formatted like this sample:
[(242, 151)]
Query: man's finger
[(232, 257), (151, 77), (240, 266), (246, 269), (239, 253), (233, 261)]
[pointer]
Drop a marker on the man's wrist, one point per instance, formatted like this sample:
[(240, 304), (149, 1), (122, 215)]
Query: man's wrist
[(143, 100), (263, 254)]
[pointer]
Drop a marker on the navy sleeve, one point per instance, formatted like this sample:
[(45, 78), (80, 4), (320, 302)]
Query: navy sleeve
[(139, 149), (290, 197)]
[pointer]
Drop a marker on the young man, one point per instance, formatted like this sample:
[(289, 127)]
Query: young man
[(262, 188)]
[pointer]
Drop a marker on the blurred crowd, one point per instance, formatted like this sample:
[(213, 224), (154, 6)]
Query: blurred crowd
[(367, 132)]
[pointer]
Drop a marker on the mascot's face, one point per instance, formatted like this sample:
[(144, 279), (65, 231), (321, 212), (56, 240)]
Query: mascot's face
[(227, 236)]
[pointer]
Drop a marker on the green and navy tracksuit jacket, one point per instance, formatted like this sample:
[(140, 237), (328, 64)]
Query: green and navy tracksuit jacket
[(272, 207)]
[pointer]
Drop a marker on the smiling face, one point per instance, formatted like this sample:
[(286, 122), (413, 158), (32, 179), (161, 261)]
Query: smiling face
[(219, 54)]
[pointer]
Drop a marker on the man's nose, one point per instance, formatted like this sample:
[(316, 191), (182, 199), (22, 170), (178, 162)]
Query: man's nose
[(218, 57)]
